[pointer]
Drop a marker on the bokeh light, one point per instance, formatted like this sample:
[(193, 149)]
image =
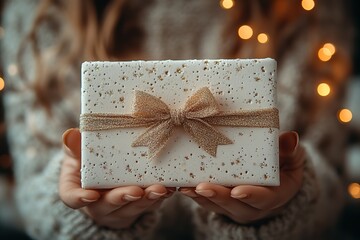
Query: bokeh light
[(345, 115), (245, 32), (308, 4), (330, 47), (263, 38), (324, 54), (323, 89), (227, 4), (354, 190), (2, 83)]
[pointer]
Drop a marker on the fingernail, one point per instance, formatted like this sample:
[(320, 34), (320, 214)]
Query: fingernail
[(205, 193), (88, 200), (241, 196), (65, 136), (295, 139), (296, 136), (155, 195), (188, 193), (129, 198)]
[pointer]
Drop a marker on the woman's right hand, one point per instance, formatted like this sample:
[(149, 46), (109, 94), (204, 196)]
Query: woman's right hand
[(116, 208)]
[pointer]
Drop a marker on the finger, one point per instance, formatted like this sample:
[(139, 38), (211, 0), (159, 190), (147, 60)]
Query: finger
[(221, 196), (70, 191), (217, 198), (217, 193), (155, 192), (203, 201), (126, 201), (72, 142), (119, 211), (116, 220), (152, 194), (188, 191), (114, 199), (125, 215), (263, 198)]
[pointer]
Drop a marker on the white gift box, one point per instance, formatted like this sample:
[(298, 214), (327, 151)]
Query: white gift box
[(109, 157)]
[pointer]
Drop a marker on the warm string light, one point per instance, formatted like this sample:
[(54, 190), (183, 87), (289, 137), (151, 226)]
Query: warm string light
[(324, 54), (245, 32), (227, 4), (354, 190)]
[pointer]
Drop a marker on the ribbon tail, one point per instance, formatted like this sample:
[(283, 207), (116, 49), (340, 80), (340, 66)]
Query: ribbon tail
[(205, 135), (155, 137)]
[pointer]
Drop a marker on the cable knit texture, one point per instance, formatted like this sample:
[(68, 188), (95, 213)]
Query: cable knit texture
[(174, 30)]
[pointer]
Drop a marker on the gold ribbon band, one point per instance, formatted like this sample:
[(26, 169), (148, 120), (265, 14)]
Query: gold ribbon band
[(200, 114)]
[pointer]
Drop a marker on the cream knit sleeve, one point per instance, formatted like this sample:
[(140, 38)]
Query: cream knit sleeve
[(35, 144)]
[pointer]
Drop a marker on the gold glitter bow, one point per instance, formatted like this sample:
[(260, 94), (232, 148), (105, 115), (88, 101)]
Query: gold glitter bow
[(200, 112)]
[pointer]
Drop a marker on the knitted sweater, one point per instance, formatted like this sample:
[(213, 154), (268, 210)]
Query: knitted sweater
[(174, 30)]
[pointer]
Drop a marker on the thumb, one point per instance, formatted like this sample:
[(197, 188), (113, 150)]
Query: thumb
[(288, 144), (70, 190), (72, 142)]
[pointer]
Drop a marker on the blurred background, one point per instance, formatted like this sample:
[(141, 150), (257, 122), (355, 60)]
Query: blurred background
[(348, 115)]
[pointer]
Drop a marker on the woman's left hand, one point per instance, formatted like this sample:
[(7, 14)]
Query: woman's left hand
[(247, 203)]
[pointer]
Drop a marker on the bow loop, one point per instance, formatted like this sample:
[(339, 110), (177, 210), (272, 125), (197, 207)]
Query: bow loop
[(201, 104), (148, 106)]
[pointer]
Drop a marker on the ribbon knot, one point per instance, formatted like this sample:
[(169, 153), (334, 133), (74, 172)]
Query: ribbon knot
[(197, 118), (177, 115)]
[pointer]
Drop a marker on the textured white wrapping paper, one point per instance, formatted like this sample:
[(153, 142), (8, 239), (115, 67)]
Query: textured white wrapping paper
[(109, 160)]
